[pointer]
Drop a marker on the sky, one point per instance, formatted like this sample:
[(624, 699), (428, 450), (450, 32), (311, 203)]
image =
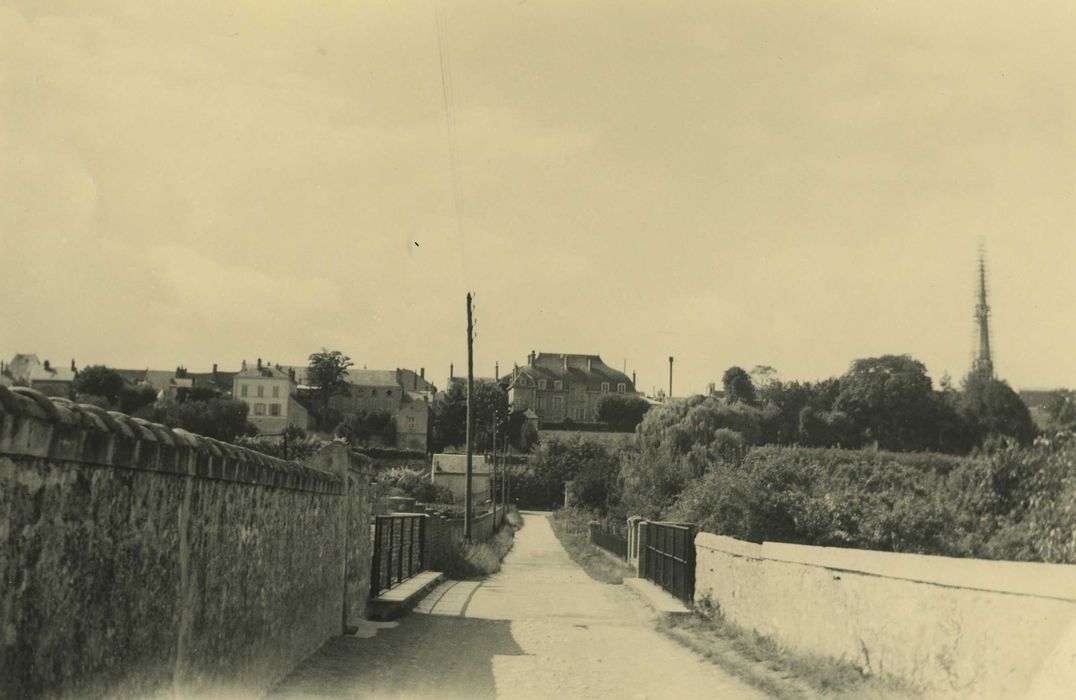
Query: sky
[(793, 184)]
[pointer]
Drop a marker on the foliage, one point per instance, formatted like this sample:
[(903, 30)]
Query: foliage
[(203, 393), (738, 386), (365, 427), (991, 407), (328, 372), (98, 380), (1061, 408), (300, 446), (448, 417), (133, 398), (416, 484), (622, 411), (890, 401), (222, 419), (590, 466)]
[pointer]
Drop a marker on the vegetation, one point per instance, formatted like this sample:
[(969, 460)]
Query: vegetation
[(300, 446), (363, 428), (416, 484), (328, 372), (621, 411), (222, 419), (777, 671), (469, 560), (571, 526), (105, 387), (449, 416)]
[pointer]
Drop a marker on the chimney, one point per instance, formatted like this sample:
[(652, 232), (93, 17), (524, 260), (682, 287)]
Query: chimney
[(291, 373), (214, 371), (422, 373), (633, 378), (531, 359), (47, 367), (564, 360), (72, 364), (244, 364), (451, 371), (670, 375), (496, 370), (259, 363)]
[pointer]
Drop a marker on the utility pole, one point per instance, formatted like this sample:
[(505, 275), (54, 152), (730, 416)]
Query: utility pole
[(493, 471), (470, 419), (504, 478)]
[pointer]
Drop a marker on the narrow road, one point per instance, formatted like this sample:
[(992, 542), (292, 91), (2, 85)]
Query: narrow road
[(541, 628)]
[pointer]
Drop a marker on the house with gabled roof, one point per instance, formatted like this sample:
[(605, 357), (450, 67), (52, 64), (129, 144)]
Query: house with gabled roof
[(557, 387)]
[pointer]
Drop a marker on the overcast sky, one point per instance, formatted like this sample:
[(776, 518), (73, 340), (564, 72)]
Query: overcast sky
[(795, 184)]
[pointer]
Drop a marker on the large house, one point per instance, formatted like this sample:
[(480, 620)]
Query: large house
[(269, 390), (557, 387)]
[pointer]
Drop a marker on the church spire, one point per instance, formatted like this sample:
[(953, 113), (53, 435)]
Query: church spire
[(984, 364)]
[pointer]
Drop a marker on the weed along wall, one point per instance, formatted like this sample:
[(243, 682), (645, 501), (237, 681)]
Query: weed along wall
[(138, 561), (961, 627)]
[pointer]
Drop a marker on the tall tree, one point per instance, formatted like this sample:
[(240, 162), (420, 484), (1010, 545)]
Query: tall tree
[(889, 399), (98, 380), (328, 372), (993, 408), (738, 386), (622, 411), (449, 416)]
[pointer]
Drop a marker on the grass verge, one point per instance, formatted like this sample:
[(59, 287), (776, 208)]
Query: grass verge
[(469, 560), (570, 527), (773, 669)]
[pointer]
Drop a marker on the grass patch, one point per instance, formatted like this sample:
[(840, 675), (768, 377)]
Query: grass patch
[(571, 528), (470, 560), (773, 669)]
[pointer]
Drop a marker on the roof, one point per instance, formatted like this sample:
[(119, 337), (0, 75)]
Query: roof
[(574, 369), (63, 373), (372, 377), (21, 365), (265, 371)]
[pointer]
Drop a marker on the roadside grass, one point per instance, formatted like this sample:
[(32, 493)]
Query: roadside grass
[(773, 669), (570, 527), (470, 560)]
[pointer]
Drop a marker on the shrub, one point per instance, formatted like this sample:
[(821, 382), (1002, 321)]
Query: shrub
[(416, 484)]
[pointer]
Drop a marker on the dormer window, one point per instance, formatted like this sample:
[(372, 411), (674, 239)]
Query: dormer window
[(605, 387), (558, 385), (621, 388)]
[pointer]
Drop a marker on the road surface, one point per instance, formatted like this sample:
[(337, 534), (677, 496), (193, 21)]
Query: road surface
[(541, 628)]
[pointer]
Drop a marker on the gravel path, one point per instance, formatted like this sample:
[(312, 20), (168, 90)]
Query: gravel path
[(541, 628)]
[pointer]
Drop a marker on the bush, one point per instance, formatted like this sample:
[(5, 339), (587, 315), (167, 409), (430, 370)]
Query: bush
[(416, 484)]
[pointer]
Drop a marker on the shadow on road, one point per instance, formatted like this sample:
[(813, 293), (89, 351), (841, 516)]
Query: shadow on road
[(426, 656)]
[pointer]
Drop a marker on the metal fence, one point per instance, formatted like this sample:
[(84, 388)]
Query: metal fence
[(399, 551), (667, 557), (614, 541)]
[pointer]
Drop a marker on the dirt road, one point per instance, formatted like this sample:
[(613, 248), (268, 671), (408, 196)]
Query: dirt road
[(541, 628)]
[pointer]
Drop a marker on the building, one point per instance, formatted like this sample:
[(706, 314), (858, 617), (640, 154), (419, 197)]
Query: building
[(450, 471), (270, 390), (560, 387), (25, 369)]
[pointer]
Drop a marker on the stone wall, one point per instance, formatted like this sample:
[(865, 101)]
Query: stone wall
[(951, 627), (138, 561)]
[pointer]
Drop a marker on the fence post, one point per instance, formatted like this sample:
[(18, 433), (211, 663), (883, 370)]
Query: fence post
[(375, 566)]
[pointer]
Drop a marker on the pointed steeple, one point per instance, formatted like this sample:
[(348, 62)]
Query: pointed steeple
[(983, 364)]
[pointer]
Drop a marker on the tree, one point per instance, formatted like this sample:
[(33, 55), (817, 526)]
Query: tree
[(591, 468), (363, 427), (98, 380), (991, 407), (1061, 408), (222, 419), (622, 411), (738, 386), (449, 416), (133, 398), (328, 372), (890, 400)]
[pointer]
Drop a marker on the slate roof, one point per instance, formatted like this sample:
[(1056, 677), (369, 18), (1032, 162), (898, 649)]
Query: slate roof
[(589, 370)]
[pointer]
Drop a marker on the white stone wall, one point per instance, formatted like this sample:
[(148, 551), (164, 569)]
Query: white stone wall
[(952, 627)]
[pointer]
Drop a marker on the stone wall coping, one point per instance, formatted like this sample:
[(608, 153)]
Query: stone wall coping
[(1035, 579), (34, 425)]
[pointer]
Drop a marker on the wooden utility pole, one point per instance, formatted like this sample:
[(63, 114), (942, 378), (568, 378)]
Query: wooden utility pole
[(470, 418), (504, 478), (493, 471)]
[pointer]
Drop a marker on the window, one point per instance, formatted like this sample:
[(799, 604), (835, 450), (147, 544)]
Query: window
[(243, 390), (558, 385), (259, 408), (276, 392), (261, 391), (411, 422), (541, 384), (605, 387), (274, 409), (620, 388), (541, 403), (558, 403)]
